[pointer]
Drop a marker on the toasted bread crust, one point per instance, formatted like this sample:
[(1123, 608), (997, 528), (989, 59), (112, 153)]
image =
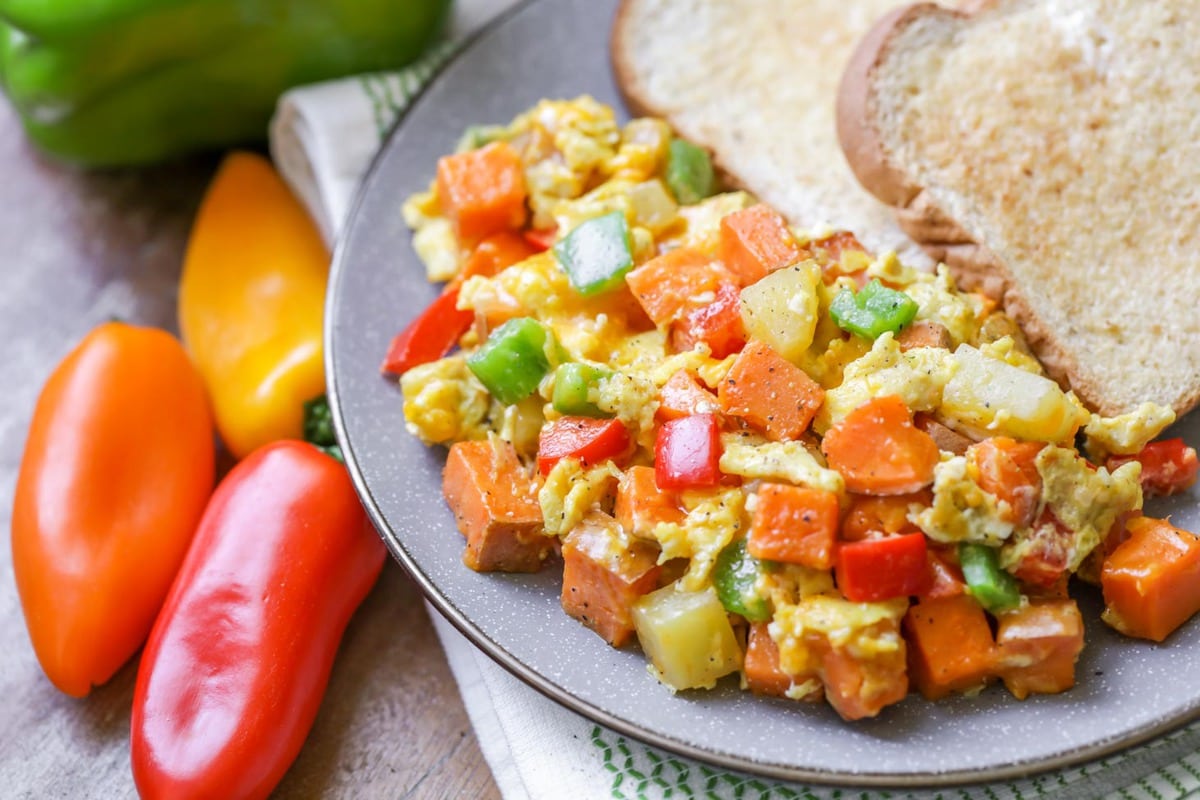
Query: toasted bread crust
[(860, 139)]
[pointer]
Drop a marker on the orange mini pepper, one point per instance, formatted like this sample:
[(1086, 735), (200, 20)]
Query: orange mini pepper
[(117, 469)]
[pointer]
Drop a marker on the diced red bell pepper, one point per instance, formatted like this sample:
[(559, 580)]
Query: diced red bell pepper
[(1044, 552), (589, 440), (718, 324), (541, 239), (428, 337), (687, 453), (945, 576), (1168, 466), (879, 569)]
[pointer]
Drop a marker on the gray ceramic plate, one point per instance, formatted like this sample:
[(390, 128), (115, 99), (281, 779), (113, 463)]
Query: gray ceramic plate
[(1127, 691)]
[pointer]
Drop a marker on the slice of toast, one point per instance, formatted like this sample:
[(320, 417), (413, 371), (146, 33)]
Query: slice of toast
[(755, 82), (1049, 152)]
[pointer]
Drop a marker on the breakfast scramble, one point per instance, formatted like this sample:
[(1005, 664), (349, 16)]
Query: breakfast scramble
[(764, 450)]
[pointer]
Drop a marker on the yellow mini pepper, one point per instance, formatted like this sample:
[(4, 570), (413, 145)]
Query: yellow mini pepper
[(251, 304)]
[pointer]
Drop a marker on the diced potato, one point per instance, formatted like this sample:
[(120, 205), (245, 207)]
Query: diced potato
[(991, 396), (687, 637), (781, 309), (652, 205)]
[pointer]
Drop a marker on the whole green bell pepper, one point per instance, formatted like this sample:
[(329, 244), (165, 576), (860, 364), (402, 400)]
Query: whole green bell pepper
[(111, 82)]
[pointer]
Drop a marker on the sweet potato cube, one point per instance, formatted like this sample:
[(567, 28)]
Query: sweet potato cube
[(761, 667), (641, 505), (669, 285), (924, 333), (482, 191), (683, 396), (1037, 647), (770, 393), (754, 242), (1151, 582), (860, 688), (950, 645), (603, 574), (945, 438), (872, 516), (795, 524), (495, 505)]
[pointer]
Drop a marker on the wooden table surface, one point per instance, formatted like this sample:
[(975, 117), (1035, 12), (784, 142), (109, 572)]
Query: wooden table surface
[(75, 250)]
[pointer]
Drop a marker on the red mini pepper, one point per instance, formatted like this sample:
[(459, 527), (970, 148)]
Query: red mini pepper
[(687, 453), (879, 569), (589, 440), (430, 336), (238, 660)]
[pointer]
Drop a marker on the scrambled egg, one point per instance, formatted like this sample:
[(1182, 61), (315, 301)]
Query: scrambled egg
[(792, 462), (578, 163), (961, 510), (1086, 501), (570, 491), (1126, 434), (444, 402), (865, 631), (917, 377), (713, 519)]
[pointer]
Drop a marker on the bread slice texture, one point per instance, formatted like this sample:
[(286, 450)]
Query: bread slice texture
[(755, 83), (1049, 152)]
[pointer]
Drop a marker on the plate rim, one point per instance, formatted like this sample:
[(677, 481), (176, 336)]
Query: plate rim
[(1072, 757)]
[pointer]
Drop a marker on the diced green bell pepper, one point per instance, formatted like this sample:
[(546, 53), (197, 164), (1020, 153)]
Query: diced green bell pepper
[(572, 382), (735, 577), (994, 588), (689, 172), (514, 359), (597, 254), (110, 82), (873, 311)]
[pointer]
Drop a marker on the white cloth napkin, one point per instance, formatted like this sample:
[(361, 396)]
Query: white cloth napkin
[(322, 139)]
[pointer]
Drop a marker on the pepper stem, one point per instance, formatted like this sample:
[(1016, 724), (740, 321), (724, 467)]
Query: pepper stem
[(318, 427)]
